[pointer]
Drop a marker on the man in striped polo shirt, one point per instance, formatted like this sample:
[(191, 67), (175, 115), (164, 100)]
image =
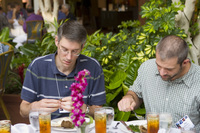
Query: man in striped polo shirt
[(48, 78), (170, 83)]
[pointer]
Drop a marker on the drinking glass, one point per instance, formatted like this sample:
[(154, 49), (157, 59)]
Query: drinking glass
[(152, 122), (5, 126), (45, 122), (33, 119), (100, 120), (165, 121), (109, 115)]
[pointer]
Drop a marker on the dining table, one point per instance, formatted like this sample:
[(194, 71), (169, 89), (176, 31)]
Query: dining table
[(28, 128)]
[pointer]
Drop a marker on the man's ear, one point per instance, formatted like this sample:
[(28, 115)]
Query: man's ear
[(56, 41), (186, 61), (82, 45)]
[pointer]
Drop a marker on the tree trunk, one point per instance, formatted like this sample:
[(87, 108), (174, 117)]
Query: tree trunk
[(48, 14), (182, 20)]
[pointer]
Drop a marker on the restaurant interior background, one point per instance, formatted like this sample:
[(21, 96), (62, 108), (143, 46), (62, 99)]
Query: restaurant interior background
[(94, 14)]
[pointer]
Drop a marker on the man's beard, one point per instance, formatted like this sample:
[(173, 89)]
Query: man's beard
[(171, 77)]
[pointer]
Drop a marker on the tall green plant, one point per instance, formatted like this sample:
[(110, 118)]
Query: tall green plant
[(122, 53)]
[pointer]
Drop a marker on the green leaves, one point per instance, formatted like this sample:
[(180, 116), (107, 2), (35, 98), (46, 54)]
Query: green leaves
[(122, 53), (116, 79), (4, 35), (122, 116)]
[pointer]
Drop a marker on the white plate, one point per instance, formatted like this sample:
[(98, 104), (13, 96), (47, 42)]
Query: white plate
[(55, 125), (136, 122)]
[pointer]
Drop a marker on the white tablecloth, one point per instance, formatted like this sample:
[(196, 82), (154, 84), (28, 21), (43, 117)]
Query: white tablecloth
[(27, 128)]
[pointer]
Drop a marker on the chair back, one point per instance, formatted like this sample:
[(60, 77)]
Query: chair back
[(34, 30), (5, 59)]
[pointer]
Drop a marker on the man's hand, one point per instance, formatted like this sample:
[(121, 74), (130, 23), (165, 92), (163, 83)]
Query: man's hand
[(49, 105), (66, 103), (127, 103)]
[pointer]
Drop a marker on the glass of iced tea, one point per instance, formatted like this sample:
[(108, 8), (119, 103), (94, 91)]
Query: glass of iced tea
[(100, 120), (5, 126), (45, 122), (152, 122)]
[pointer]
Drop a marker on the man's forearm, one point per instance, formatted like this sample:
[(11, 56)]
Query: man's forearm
[(92, 108), (25, 108), (137, 100)]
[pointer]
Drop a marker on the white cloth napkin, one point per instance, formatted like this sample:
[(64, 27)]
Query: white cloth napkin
[(172, 130), (22, 128)]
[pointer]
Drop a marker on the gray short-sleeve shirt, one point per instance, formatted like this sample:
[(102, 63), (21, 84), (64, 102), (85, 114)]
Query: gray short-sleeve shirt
[(179, 97)]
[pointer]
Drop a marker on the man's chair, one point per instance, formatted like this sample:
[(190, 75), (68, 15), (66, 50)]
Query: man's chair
[(6, 53), (34, 30)]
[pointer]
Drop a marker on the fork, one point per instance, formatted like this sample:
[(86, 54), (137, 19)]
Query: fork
[(138, 117)]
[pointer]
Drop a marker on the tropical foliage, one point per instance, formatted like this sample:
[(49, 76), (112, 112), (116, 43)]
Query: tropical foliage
[(120, 54)]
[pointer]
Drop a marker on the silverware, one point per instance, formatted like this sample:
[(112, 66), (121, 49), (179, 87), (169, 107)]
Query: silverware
[(139, 117), (115, 127), (127, 127)]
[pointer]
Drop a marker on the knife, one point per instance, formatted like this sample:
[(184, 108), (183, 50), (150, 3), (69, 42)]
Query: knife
[(127, 127)]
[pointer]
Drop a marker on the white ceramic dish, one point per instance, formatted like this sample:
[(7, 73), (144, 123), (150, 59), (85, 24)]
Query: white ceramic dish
[(136, 122), (56, 125)]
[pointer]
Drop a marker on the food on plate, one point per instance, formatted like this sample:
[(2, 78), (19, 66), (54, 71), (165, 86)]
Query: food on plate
[(134, 128), (66, 124), (143, 128), (139, 128)]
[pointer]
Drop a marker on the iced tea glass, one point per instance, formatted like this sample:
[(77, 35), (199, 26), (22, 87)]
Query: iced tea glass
[(45, 122), (152, 122), (100, 120), (5, 126)]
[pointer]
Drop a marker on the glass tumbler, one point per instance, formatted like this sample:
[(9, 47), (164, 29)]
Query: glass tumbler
[(152, 122), (165, 121), (45, 122), (100, 120), (5, 126), (109, 115), (33, 119)]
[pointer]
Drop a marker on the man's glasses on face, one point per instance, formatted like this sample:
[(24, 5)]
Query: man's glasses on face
[(66, 52)]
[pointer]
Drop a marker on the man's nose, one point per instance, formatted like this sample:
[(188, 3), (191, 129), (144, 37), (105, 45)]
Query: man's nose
[(69, 55), (163, 72)]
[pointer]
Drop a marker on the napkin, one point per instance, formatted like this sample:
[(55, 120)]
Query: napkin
[(172, 130), (22, 128)]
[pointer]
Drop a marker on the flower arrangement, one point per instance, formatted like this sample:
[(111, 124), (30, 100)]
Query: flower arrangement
[(77, 89)]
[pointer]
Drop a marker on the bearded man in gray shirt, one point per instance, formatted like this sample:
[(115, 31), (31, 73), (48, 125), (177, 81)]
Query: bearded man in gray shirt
[(170, 83)]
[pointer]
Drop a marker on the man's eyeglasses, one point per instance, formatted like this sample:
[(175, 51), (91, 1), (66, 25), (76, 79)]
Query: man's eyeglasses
[(66, 52)]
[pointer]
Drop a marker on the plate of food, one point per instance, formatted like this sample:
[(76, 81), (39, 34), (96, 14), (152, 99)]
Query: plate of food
[(65, 124), (138, 126)]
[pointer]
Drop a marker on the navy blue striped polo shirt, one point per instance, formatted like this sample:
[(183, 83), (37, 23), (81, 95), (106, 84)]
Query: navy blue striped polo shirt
[(44, 80)]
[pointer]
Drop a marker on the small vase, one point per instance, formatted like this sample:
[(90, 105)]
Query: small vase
[(83, 128)]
